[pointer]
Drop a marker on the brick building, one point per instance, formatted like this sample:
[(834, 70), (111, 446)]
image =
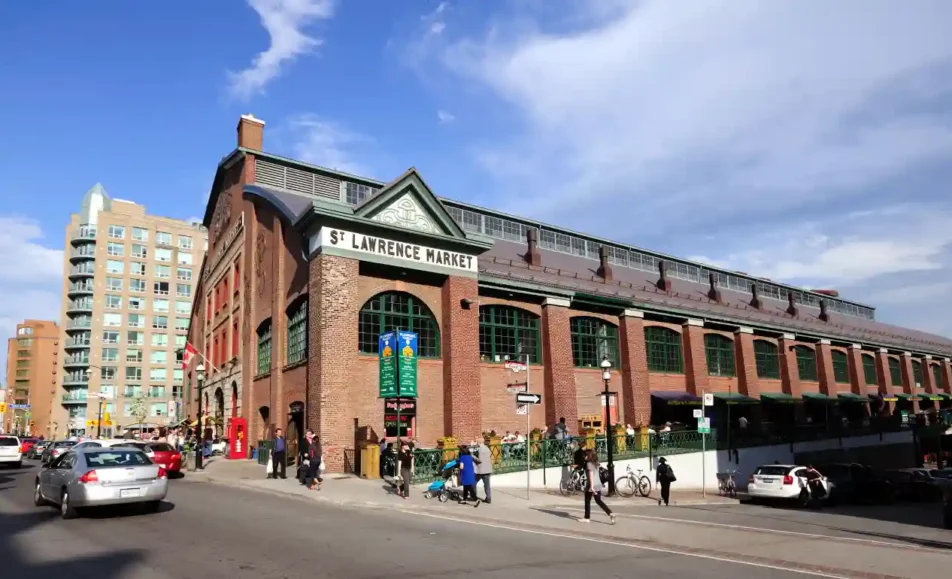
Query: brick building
[(306, 266)]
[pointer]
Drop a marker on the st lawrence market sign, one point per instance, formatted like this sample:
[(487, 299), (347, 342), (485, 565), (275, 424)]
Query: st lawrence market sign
[(381, 249)]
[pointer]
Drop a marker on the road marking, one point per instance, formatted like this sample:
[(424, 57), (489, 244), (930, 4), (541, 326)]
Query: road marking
[(764, 530), (607, 541)]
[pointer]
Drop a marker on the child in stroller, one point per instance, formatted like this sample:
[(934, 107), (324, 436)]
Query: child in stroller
[(442, 487)]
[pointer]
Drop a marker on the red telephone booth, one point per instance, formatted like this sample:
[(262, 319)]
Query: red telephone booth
[(237, 438)]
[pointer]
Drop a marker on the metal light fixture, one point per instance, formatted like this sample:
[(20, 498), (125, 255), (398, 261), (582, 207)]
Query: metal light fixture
[(200, 378), (609, 436), (606, 369)]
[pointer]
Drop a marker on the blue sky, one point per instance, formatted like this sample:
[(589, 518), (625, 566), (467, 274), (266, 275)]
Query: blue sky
[(801, 141)]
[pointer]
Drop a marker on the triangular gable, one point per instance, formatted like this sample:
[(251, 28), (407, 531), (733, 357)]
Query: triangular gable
[(408, 202)]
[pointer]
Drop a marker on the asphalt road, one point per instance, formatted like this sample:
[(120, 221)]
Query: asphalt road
[(208, 531)]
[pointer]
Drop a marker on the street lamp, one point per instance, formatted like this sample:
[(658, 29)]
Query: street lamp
[(200, 378), (101, 397), (606, 376)]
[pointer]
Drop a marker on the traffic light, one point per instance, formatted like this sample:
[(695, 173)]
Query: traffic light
[(105, 417), (32, 423), (3, 408)]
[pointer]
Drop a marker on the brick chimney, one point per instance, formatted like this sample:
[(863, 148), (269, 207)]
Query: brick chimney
[(604, 268), (755, 297), (533, 256), (664, 284), (713, 293), (251, 132), (792, 305), (823, 315)]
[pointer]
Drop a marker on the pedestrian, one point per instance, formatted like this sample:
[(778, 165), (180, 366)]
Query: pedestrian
[(315, 456), (484, 468), (467, 475), (279, 455), (593, 488), (665, 476), (405, 458)]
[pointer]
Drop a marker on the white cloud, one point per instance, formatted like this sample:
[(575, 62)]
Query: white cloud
[(445, 117), (286, 22), (321, 142), (435, 21)]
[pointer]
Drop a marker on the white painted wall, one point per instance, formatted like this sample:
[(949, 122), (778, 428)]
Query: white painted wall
[(688, 467)]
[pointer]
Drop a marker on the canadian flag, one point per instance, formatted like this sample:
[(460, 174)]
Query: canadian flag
[(188, 354)]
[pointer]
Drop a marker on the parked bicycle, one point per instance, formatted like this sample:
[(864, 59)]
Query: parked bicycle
[(576, 482), (632, 482), (726, 485)]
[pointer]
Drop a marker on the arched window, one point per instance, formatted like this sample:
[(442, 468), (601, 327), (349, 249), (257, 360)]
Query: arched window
[(869, 370), (841, 367), (916, 373), (663, 350), (806, 362), (264, 347), (297, 332), (592, 340), (895, 372), (719, 351), (398, 311), (503, 329), (765, 355)]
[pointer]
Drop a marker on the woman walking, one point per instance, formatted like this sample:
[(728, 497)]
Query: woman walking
[(405, 458), (467, 475), (315, 455), (593, 488)]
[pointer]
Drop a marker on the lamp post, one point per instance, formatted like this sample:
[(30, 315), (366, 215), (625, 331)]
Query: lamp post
[(606, 376), (200, 379), (101, 397)]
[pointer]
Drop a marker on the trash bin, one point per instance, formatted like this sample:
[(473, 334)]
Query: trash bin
[(264, 451)]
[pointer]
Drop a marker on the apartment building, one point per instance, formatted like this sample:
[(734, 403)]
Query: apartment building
[(32, 370), (128, 288)]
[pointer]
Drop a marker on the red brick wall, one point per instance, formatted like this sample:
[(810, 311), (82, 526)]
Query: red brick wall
[(824, 368), (368, 410), (662, 381), (560, 395), (589, 386), (695, 359), (636, 395), (908, 379), (746, 365), (928, 379), (789, 371), (499, 406), (947, 377), (857, 374), (882, 374), (462, 404)]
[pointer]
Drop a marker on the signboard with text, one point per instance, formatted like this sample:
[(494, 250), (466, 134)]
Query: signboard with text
[(382, 249), (387, 344), (407, 363)]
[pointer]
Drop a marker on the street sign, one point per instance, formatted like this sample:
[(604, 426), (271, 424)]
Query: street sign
[(522, 409), (515, 365), (407, 370), (708, 399), (704, 425), (388, 364), (18, 406), (517, 387), (528, 398), (698, 413)]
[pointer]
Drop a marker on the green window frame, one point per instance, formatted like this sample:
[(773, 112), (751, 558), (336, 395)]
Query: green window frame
[(592, 340), (663, 350), (767, 359), (297, 333), (503, 329), (869, 369), (719, 351), (264, 348), (394, 311), (917, 374), (806, 363), (895, 372), (936, 376), (841, 366)]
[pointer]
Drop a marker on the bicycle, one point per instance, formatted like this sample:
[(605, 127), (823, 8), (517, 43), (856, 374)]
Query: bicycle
[(726, 485), (632, 482), (576, 482)]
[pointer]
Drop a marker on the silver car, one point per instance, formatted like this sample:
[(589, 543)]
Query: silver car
[(98, 477)]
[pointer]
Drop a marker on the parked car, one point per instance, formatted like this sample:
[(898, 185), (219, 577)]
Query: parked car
[(26, 444), (784, 482), (97, 477), (914, 484), (55, 449), (36, 450), (946, 485), (10, 454), (944, 473), (856, 483), (165, 456), (143, 446)]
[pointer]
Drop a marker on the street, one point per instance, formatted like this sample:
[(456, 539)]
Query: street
[(208, 530)]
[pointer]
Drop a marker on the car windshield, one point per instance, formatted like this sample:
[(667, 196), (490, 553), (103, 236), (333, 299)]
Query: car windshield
[(64, 444), (8, 442), (772, 470), (161, 447), (116, 457)]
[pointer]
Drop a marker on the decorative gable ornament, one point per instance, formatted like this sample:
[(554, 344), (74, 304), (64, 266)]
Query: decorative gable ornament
[(406, 213)]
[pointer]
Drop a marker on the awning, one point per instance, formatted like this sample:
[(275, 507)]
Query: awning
[(735, 398), (904, 396), (676, 398), (886, 398), (850, 397), (933, 397), (818, 397), (779, 397)]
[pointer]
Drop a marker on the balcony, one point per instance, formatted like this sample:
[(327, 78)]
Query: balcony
[(75, 380), (80, 307), (79, 324), (84, 252), (134, 394), (87, 269), (80, 289), (79, 397), (75, 361), (78, 342), (85, 234)]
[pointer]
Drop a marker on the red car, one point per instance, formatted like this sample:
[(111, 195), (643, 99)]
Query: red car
[(26, 444), (166, 456)]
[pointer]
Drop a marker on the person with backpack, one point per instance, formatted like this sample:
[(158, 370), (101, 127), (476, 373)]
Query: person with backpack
[(594, 488), (665, 476)]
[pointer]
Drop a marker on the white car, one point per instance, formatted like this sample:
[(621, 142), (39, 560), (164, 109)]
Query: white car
[(786, 482), (10, 451)]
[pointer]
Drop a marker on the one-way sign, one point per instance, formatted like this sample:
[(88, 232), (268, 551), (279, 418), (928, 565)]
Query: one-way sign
[(527, 398)]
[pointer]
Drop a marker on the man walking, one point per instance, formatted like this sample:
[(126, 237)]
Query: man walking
[(484, 468), (279, 455)]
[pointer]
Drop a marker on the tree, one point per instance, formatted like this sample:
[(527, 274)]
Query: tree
[(138, 411)]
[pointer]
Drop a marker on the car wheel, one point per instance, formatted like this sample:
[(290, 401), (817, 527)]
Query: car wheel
[(67, 511), (38, 499)]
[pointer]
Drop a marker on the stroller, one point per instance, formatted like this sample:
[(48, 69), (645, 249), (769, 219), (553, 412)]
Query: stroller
[(440, 489)]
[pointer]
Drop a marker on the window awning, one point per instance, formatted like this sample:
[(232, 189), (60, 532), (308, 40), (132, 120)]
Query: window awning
[(818, 397), (904, 396), (735, 398), (886, 398), (850, 397), (779, 397), (933, 397), (675, 398)]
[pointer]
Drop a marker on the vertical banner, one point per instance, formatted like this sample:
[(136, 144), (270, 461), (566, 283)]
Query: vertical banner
[(408, 364), (387, 344)]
